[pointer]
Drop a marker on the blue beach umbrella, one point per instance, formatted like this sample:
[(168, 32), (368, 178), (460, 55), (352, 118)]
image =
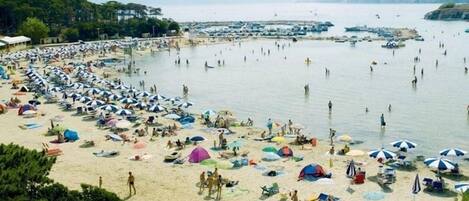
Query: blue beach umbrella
[(156, 108), (94, 103), (452, 152), (114, 97), (123, 112), (85, 99), (128, 101), (56, 89), (140, 105), (185, 105), (157, 97), (144, 94), (93, 91), (209, 112), (109, 107), (404, 144), (381, 153), (75, 95), (121, 87), (197, 138), (439, 163), (105, 93)]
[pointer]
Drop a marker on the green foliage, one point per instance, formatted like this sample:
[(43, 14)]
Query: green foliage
[(23, 176), (447, 5), (34, 28), (173, 26), (70, 34), (465, 196), (85, 16)]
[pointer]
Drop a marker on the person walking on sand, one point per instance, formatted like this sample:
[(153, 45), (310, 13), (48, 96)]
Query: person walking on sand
[(332, 135), (383, 123), (270, 125), (131, 183), (100, 181), (294, 196), (202, 182), (219, 187)]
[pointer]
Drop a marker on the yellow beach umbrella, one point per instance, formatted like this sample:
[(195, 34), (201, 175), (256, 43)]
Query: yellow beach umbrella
[(345, 138)]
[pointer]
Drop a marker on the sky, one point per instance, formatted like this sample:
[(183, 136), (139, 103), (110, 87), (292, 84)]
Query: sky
[(166, 2)]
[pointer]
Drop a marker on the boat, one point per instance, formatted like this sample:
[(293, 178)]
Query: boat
[(393, 44), (357, 28), (467, 30)]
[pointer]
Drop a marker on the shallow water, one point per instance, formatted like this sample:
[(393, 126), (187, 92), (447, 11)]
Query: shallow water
[(433, 114)]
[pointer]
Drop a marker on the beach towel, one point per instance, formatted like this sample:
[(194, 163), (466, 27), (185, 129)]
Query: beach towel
[(29, 126), (115, 137)]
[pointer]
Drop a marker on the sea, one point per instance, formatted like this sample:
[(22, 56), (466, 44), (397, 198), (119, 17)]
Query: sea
[(434, 114)]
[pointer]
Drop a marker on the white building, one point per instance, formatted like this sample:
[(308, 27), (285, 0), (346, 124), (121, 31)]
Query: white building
[(14, 43)]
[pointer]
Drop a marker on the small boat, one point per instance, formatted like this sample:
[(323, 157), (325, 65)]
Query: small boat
[(340, 41)]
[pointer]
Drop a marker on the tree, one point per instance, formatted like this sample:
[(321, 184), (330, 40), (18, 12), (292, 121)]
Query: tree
[(35, 29), (70, 34), (23, 176), (174, 26)]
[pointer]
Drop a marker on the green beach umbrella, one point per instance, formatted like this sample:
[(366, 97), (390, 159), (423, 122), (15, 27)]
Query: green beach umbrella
[(270, 149)]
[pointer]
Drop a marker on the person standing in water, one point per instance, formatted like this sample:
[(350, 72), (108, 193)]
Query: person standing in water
[(270, 125), (383, 123), (330, 106), (306, 89)]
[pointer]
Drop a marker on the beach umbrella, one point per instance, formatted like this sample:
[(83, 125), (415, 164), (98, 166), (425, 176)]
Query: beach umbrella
[(236, 143), (105, 93), (77, 85), (381, 153), (75, 95), (344, 138), (172, 116), (94, 103), (114, 97), (121, 87), (269, 156), (157, 97), (416, 186), (122, 124), (278, 139), (109, 107), (56, 89), (439, 163), (461, 187), (351, 172), (156, 108), (140, 105), (197, 138), (404, 144), (185, 104), (123, 112), (269, 149), (209, 112), (93, 91), (144, 94), (452, 152), (128, 101), (174, 99), (132, 90), (85, 99)]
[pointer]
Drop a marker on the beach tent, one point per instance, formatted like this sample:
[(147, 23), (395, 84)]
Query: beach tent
[(71, 135), (198, 154), (25, 108), (285, 152), (312, 170), (24, 89)]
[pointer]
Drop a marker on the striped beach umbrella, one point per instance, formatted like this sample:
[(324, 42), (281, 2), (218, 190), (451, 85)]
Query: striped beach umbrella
[(123, 112), (56, 89), (140, 105), (114, 97), (77, 85), (416, 186), (461, 187), (121, 87), (351, 172), (132, 90), (157, 97), (105, 93), (453, 152), (144, 94), (128, 101), (404, 144), (109, 107), (93, 91), (95, 103), (85, 99), (439, 163), (156, 108), (381, 153), (185, 104), (75, 95)]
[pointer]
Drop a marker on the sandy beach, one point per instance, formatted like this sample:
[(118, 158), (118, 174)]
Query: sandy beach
[(157, 180)]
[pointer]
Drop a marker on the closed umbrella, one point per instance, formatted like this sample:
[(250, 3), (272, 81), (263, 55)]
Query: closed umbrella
[(351, 172), (416, 186)]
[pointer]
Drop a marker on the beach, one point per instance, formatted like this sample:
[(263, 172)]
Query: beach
[(157, 180)]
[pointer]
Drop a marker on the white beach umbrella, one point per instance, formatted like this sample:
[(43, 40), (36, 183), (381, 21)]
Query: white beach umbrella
[(406, 144), (439, 163), (123, 112), (452, 152), (381, 153)]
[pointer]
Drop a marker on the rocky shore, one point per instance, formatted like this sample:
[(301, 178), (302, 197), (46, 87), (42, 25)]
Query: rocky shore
[(457, 12)]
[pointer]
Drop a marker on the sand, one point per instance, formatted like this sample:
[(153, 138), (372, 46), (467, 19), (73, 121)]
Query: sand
[(156, 180)]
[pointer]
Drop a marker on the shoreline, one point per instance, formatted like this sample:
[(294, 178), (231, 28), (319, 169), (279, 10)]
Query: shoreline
[(114, 169)]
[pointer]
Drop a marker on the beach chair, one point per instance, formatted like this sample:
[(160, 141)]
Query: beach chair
[(323, 197), (359, 178), (437, 186), (269, 191), (51, 151), (427, 182)]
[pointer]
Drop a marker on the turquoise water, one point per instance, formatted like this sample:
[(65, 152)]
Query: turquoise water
[(433, 114)]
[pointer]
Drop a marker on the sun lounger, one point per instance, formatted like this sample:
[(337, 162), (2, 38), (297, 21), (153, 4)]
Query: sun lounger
[(269, 191), (325, 197), (51, 151)]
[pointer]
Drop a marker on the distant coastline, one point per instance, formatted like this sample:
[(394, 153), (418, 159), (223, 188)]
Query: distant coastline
[(449, 11)]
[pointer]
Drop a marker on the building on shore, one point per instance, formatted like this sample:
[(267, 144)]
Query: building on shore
[(14, 43)]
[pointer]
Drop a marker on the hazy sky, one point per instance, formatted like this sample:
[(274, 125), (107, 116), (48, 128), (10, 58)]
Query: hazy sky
[(159, 2)]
